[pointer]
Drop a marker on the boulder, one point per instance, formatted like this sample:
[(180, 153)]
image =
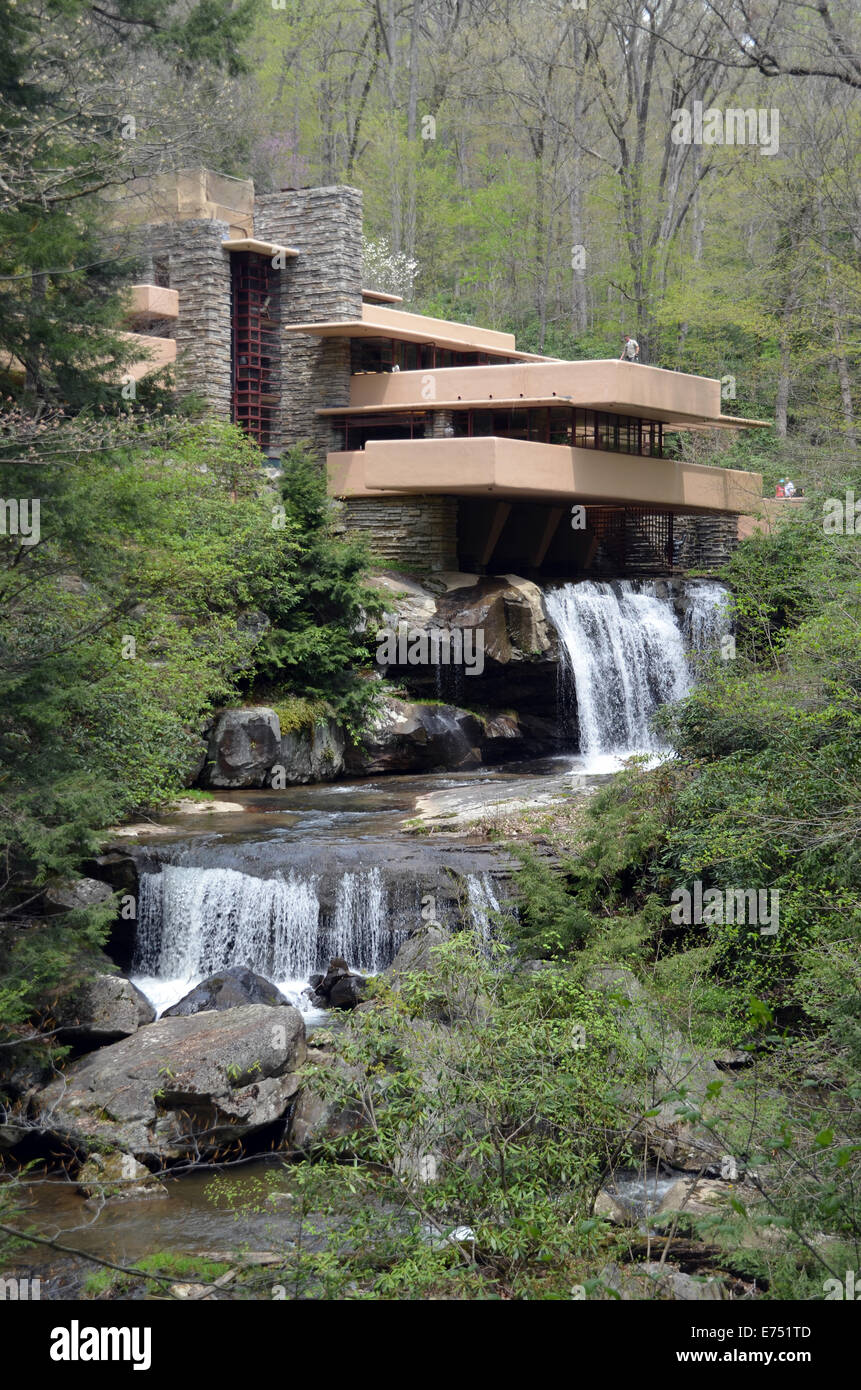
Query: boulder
[(314, 754), (409, 737), (339, 988), (652, 1280), (700, 1197), (517, 644), (415, 953), (608, 1207), (243, 745), (229, 989), (118, 1176), (317, 1119), (71, 893), (180, 1087), (405, 598), (98, 1010), (510, 612)]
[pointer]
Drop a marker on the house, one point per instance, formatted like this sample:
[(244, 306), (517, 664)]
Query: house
[(451, 448)]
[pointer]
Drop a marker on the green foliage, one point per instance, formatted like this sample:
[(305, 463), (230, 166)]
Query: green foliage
[(318, 621), (158, 586), (185, 1268), (497, 1120)]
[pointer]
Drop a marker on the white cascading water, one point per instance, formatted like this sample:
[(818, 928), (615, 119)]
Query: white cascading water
[(357, 927), (625, 653), (193, 922), (482, 902), (707, 618)]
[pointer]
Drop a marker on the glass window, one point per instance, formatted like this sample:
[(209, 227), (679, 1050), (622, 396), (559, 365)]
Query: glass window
[(518, 427), (539, 424), (561, 424)]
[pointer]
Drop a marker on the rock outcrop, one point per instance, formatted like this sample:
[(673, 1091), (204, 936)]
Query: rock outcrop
[(74, 893), (503, 617), (180, 1087), (318, 1119), (243, 745), (408, 737), (312, 754)]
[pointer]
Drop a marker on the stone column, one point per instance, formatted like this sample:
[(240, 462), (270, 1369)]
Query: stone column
[(442, 424), (320, 285), (199, 270)]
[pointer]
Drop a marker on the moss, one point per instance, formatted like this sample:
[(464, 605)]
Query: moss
[(182, 1267), (297, 712)]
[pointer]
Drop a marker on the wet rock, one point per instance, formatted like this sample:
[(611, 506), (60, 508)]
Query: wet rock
[(339, 988), (229, 989), (98, 1010), (243, 745), (410, 737), (610, 1209), (117, 1176), (179, 1087)]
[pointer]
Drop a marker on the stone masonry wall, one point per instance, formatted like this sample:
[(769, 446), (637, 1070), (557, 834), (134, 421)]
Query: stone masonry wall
[(200, 272), (707, 541), (322, 284), (416, 534)]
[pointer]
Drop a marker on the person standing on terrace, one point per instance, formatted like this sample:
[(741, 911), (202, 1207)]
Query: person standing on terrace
[(631, 350)]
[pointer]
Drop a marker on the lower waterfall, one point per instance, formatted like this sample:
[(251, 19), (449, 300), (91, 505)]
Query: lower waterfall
[(193, 922), (624, 652)]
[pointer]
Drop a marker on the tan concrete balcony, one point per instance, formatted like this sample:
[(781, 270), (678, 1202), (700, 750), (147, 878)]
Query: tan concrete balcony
[(519, 468), (162, 354), (379, 321), (679, 400), (152, 302)]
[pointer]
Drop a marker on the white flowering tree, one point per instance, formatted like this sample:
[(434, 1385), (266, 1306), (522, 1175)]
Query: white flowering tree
[(393, 272)]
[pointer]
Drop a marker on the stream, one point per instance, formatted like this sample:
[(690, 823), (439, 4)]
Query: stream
[(290, 878)]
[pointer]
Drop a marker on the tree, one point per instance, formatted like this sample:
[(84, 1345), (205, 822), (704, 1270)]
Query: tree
[(73, 89)]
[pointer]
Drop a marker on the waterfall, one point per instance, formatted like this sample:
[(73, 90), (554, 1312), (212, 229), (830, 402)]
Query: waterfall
[(482, 902), (707, 618), (193, 922), (357, 928), (624, 654)]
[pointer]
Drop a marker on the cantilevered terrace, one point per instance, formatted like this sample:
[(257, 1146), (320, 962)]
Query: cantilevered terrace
[(515, 440), (588, 432)]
